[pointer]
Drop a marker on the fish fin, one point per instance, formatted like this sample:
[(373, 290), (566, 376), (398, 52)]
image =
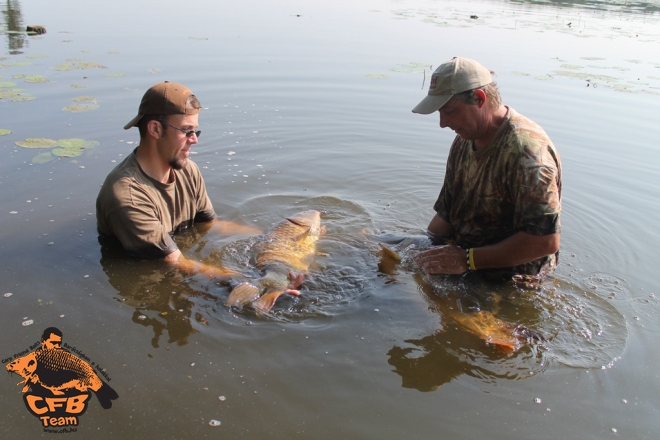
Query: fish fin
[(106, 394), (389, 259), (491, 329), (242, 294), (267, 300)]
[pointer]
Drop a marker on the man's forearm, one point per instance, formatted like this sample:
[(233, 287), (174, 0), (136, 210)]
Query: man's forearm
[(517, 249), (178, 260)]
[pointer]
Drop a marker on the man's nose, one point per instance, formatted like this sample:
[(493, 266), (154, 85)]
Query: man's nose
[(443, 121)]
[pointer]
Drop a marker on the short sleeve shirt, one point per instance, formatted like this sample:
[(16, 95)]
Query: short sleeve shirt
[(511, 185), (143, 213)]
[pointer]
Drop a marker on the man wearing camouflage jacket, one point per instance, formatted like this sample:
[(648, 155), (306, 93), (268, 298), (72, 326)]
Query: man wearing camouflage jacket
[(500, 202)]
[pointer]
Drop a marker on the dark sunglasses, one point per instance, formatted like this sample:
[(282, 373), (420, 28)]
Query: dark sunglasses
[(188, 133)]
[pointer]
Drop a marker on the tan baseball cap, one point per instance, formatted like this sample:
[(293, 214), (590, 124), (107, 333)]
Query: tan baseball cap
[(451, 77), (164, 98)]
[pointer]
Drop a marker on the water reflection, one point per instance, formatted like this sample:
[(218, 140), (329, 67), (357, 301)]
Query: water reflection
[(163, 297), (13, 22)]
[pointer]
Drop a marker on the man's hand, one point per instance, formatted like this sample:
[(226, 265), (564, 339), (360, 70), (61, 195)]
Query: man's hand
[(296, 282), (447, 259)]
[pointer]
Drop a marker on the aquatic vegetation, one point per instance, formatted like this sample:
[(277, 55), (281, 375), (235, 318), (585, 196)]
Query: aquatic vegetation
[(78, 65), (4, 131), (155, 70), (35, 79), (37, 56), (37, 143), (72, 147), (43, 158), (7, 84), (83, 107), (20, 98), (78, 86), (377, 76)]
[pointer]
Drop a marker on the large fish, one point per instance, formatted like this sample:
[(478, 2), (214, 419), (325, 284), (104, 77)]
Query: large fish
[(505, 336), (284, 248)]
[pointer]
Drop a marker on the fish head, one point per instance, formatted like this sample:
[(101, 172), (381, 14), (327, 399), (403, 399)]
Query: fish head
[(23, 366), (308, 219)]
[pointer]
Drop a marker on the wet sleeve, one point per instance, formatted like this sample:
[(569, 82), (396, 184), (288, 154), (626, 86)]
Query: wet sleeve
[(136, 224), (538, 195)]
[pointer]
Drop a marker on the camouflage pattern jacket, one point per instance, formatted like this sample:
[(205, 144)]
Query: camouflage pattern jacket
[(513, 184)]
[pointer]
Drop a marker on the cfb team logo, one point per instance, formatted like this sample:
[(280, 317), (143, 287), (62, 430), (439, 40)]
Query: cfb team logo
[(58, 385)]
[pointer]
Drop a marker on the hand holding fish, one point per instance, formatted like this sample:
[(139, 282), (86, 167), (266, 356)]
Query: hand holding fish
[(447, 259)]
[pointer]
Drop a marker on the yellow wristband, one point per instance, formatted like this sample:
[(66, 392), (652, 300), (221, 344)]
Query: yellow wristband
[(471, 259)]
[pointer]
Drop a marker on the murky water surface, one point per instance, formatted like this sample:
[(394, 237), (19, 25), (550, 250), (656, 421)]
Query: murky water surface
[(307, 106)]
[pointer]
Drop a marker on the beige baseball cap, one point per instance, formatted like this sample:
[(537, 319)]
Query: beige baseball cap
[(451, 77), (164, 98)]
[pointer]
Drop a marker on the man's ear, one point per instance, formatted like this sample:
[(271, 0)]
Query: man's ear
[(155, 128), (481, 97)]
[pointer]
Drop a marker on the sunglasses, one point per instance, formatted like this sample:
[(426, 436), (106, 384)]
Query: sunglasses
[(188, 133)]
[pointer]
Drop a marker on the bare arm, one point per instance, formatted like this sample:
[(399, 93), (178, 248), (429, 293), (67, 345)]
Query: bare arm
[(512, 251), (224, 227), (178, 260)]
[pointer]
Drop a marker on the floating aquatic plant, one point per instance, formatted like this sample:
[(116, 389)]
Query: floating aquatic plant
[(4, 131), (83, 98), (154, 70), (35, 79), (78, 86), (79, 108), (377, 76), (37, 143), (43, 158), (20, 98), (114, 74), (37, 56), (7, 84)]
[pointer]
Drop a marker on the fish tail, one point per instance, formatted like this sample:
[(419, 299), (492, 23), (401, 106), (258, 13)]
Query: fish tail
[(267, 300), (242, 294)]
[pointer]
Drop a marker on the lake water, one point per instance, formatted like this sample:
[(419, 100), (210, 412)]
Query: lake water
[(308, 105)]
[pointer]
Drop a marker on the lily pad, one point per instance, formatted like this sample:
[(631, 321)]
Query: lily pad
[(4, 132), (83, 98), (43, 158), (20, 98), (37, 143), (19, 76), (67, 152), (7, 84), (114, 74), (377, 76), (90, 66), (21, 64), (79, 108), (34, 57), (78, 86), (73, 143), (61, 67), (35, 79)]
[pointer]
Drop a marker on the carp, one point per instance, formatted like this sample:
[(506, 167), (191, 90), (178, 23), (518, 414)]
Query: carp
[(284, 248), (59, 371), (504, 335)]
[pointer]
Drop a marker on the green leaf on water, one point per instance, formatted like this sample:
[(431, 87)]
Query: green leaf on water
[(86, 65), (4, 132), (34, 57), (35, 79), (21, 98), (377, 76), (37, 143), (43, 158), (21, 64), (79, 108), (19, 76), (67, 152), (83, 98), (114, 74), (7, 84), (78, 86), (64, 67)]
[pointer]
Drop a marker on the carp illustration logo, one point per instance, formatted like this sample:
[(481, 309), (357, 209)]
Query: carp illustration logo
[(58, 385)]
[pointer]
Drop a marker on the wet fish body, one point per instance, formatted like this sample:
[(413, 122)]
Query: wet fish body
[(287, 246)]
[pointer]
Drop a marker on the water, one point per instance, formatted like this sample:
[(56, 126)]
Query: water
[(312, 103)]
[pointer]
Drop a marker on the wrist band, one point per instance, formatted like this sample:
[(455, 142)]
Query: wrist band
[(467, 259), (470, 254)]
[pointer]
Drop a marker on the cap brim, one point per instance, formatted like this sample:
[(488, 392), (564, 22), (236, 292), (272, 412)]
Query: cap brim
[(133, 122), (431, 104)]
